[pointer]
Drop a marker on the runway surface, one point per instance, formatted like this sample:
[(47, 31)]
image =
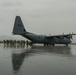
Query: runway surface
[(38, 60)]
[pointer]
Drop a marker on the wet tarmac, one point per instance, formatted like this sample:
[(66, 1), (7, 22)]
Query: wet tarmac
[(38, 60)]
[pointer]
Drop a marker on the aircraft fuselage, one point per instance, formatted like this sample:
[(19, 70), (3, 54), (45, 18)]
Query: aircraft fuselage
[(43, 40)]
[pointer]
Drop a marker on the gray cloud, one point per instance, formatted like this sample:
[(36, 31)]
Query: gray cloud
[(10, 4), (36, 15), (55, 16), (73, 0)]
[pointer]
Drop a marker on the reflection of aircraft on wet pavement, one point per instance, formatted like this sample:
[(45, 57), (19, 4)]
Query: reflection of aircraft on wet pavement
[(41, 39), (17, 60), (18, 57), (64, 50)]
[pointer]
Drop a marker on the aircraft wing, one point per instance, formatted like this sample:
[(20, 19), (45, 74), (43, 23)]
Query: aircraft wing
[(60, 36)]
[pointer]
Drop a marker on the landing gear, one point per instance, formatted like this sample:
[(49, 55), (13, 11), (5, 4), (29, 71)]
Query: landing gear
[(53, 44), (49, 44), (66, 44), (46, 44)]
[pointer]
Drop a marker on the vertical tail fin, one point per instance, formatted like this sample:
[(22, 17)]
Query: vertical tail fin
[(18, 26)]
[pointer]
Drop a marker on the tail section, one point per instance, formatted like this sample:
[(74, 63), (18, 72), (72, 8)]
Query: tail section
[(18, 26)]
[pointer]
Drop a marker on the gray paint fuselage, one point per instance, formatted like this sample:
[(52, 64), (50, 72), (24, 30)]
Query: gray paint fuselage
[(43, 39)]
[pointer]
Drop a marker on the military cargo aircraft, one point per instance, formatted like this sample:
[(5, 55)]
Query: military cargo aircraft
[(19, 29)]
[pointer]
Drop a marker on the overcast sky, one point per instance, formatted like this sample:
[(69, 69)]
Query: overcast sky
[(39, 16)]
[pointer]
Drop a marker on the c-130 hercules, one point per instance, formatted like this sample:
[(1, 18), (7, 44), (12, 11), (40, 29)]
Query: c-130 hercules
[(41, 39)]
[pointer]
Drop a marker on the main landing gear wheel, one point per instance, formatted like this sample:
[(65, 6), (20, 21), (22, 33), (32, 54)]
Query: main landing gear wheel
[(66, 44)]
